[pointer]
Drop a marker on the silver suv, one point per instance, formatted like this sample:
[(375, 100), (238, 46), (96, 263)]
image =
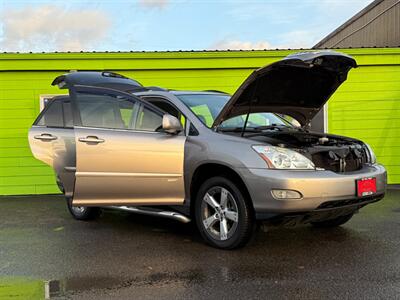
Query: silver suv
[(224, 161)]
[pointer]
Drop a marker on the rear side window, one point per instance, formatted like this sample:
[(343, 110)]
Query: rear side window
[(53, 116), (67, 111), (58, 114)]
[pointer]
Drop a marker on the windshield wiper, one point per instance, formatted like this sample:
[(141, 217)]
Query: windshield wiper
[(272, 126), (238, 129), (263, 129), (257, 129)]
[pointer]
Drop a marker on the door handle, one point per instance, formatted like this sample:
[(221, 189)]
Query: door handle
[(45, 137), (91, 139)]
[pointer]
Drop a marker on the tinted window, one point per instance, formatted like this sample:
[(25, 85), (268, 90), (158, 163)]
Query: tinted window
[(68, 121), (165, 106), (168, 108), (53, 116), (105, 111), (116, 112), (148, 120)]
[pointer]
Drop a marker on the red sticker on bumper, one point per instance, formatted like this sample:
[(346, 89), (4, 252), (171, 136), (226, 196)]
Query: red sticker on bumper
[(366, 187)]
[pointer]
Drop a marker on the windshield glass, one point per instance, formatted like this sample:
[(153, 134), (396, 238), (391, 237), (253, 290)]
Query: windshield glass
[(255, 120), (207, 107)]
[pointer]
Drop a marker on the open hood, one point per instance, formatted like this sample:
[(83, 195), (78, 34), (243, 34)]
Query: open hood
[(298, 85)]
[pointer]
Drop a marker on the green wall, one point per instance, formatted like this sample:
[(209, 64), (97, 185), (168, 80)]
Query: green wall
[(366, 106)]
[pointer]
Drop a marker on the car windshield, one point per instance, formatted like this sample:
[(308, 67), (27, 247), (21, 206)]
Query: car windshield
[(207, 107)]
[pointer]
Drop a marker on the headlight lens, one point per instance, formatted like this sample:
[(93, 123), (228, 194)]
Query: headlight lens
[(283, 158), (372, 157)]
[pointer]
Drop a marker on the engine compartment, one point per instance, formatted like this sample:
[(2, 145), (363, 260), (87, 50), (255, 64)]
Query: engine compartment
[(329, 152)]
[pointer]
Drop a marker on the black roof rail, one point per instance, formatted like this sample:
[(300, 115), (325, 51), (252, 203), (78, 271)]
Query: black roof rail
[(112, 74), (156, 88)]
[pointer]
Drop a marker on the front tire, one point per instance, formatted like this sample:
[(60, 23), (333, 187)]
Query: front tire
[(83, 213), (333, 222), (223, 216)]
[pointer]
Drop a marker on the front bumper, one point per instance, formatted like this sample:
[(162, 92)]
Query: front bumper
[(317, 188)]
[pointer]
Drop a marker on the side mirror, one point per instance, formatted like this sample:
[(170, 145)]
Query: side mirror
[(171, 124)]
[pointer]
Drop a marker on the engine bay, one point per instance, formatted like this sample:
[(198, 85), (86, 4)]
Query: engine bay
[(329, 152)]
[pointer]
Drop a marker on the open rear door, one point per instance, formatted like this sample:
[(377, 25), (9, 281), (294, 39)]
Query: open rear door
[(52, 141)]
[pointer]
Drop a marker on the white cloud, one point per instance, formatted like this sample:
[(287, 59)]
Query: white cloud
[(52, 28), (299, 24), (240, 45), (293, 39), (299, 39), (153, 3)]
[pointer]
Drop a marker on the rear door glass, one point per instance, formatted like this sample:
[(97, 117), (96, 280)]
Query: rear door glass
[(53, 116), (68, 121), (99, 112), (108, 111)]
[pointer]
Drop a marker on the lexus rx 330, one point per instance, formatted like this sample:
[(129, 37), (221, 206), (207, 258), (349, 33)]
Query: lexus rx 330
[(223, 161)]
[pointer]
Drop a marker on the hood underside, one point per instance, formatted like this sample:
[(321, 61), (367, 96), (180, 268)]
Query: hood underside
[(298, 86)]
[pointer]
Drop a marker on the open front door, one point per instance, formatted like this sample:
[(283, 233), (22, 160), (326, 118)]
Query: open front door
[(122, 155)]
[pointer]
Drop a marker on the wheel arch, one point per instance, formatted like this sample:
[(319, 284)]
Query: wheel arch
[(202, 173)]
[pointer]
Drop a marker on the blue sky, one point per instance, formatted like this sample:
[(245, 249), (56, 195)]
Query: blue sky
[(123, 25)]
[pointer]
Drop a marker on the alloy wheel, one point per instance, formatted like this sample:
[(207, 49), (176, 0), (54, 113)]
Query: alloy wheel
[(219, 212)]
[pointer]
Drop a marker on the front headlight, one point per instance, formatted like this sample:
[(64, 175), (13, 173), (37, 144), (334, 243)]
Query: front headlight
[(283, 158), (371, 154)]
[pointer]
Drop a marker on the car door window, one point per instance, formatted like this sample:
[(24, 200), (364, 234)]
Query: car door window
[(107, 111), (148, 119), (53, 115), (168, 108), (117, 112), (67, 112)]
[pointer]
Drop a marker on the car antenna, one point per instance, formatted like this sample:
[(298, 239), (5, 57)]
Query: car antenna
[(252, 99)]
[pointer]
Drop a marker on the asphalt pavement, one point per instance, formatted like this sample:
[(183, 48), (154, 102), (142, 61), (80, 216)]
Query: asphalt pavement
[(128, 256)]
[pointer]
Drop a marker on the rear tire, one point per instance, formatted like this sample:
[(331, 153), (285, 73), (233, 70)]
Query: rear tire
[(83, 213), (333, 222), (223, 216)]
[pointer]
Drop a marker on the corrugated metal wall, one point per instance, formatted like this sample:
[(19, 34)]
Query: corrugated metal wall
[(365, 107), (378, 27)]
